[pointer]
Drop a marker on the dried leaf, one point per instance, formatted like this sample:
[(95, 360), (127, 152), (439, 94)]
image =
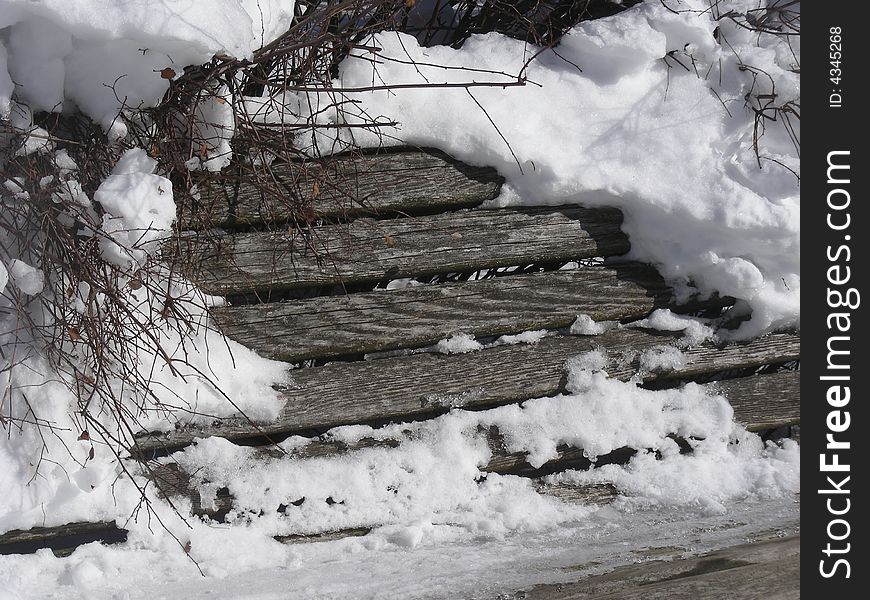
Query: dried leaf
[(84, 435), (187, 547), (74, 334), (389, 241), (220, 100), (91, 453), (203, 150), (168, 73), (410, 3), (315, 190), (134, 284)]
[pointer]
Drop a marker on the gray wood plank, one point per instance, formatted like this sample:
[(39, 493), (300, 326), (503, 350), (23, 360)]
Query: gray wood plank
[(367, 250), (764, 401), (386, 183), (420, 316), (421, 385), (768, 570)]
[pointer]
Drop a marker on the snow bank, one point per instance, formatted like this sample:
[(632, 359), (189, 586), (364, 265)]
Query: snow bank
[(657, 124), (102, 55)]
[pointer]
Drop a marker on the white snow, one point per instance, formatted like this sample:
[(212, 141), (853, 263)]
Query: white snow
[(140, 210), (671, 146), (694, 330), (103, 55), (585, 325), (458, 343)]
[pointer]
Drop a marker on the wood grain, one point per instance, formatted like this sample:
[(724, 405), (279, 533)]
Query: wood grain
[(386, 183), (367, 250), (764, 401), (422, 385), (415, 317)]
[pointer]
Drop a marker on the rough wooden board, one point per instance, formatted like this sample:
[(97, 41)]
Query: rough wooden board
[(367, 250), (769, 570), (764, 401), (421, 385), (415, 317), (61, 539), (388, 183)]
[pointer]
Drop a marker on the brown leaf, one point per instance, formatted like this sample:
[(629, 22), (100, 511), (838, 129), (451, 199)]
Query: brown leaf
[(74, 334), (91, 453), (84, 435), (167, 73), (410, 3), (134, 284), (315, 190), (220, 100), (187, 547), (390, 241), (203, 150)]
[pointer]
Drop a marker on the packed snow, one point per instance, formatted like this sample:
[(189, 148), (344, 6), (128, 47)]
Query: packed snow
[(645, 111)]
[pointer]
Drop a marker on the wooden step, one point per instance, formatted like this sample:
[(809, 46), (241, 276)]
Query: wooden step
[(367, 250), (422, 385), (415, 317), (62, 540), (780, 390), (387, 183)]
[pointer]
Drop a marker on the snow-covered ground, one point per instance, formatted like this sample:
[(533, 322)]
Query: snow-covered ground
[(650, 111)]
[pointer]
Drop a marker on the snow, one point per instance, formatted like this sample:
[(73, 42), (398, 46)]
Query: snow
[(103, 55), (670, 146), (585, 325), (458, 343), (140, 210), (694, 330)]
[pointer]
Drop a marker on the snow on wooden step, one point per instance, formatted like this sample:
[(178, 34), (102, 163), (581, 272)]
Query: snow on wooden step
[(423, 385), (388, 183), (367, 250), (415, 317)]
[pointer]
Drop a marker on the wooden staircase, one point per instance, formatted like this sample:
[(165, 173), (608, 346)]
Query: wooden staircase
[(318, 296)]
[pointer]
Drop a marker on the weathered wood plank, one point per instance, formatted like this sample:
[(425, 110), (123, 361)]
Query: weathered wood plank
[(764, 401), (386, 183), (61, 539), (768, 569), (368, 322), (421, 385), (367, 250)]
